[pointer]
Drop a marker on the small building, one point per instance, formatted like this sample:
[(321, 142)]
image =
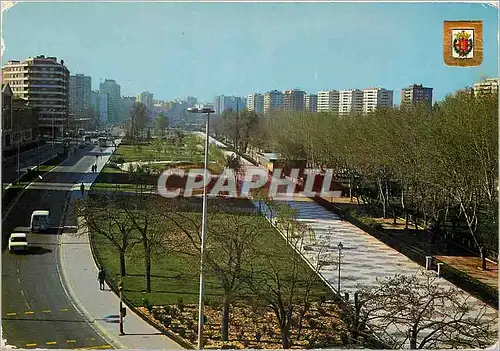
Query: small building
[(19, 122)]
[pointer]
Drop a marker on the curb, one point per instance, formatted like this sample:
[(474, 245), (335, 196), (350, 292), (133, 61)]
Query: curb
[(176, 338), (75, 302)]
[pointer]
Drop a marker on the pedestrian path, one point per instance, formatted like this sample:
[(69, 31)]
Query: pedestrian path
[(101, 308), (363, 259)]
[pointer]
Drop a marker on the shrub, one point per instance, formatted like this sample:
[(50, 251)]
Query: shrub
[(146, 304), (180, 304)]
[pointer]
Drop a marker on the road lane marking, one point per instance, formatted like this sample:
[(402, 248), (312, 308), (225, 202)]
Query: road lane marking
[(11, 313), (70, 341), (99, 347), (46, 311), (93, 339), (22, 292), (18, 271), (27, 305), (51, 343), (63, 310), (19, 280), (29, 312), (30, 345)]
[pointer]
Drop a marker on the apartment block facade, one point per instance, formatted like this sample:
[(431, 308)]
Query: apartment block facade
[(375, 98), (145, 98), (225, 103), (311, 102), (328, 101), (416, 94), (110, 87), (293, 100), (44, 84), (488, 86), (273, 101), (255, 103), (80, 88), (350, 101)]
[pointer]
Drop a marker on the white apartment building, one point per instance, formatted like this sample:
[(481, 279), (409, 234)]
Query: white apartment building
[(328, 101), (255, 102), (489, 86), (273, 100), (374, 98), (145, 98), (350, 101), (311, 102), (44, 84)]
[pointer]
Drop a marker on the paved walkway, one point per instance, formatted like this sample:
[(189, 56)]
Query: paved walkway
[(101, 308), (363, 258)]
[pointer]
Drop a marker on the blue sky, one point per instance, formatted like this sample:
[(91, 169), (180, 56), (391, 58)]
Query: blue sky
[(205, 49)]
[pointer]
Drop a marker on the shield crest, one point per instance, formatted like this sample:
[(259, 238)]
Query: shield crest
[(463, 43)]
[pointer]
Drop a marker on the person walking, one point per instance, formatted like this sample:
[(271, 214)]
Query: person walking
[(82, 188), (101, 277)]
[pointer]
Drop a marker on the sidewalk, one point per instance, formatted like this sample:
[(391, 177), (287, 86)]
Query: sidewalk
[(101, 308)]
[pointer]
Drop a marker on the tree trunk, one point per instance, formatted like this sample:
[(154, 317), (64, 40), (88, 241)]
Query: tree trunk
[(413, 340), (147, 257), (285, 336), (350, 189), (122, 264), (382, 198), (225, 319), (483, 259)]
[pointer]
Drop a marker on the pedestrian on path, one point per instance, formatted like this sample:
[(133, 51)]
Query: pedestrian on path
[(101, 277), (82, 188)]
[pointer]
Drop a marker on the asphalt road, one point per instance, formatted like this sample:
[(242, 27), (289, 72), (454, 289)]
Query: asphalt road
[(36, 311)]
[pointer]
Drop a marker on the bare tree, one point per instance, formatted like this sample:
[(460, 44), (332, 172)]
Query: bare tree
[(147, 218), (105, 216), (229, 252), (284, 282), (428, 315)]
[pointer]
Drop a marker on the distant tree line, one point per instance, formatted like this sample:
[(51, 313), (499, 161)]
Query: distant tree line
[(438, 164)]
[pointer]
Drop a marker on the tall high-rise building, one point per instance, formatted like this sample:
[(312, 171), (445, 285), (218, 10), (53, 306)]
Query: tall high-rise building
[(415, 94), (224, 103), (350, 101), (255, 102), (80, 87), (328, 101), (145, 98), (44, 84), (374, 98), (100, 105), (488, 86), (293, 100), (273, 100), (311, 102), (110, 87)]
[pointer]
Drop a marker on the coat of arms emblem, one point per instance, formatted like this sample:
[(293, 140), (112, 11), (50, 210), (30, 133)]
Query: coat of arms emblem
[(463, 43)]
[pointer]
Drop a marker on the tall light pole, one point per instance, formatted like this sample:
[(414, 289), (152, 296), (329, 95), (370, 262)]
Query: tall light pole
[(340, 246), (201, 313)]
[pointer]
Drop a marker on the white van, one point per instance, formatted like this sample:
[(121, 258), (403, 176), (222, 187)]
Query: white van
[(40, 221)]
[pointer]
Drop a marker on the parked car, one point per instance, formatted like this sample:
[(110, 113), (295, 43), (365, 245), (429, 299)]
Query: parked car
[(18, 242)]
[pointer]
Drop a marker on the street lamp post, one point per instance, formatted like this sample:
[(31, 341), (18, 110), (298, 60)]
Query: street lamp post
[(340, 246), (201, 313)]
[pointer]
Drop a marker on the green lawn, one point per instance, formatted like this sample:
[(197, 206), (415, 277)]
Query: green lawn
[(175, 275)]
